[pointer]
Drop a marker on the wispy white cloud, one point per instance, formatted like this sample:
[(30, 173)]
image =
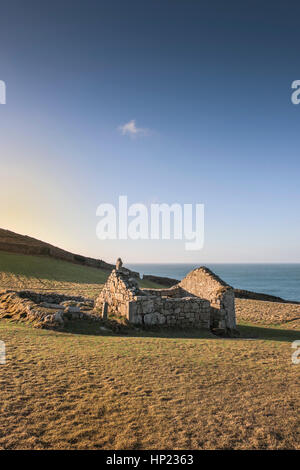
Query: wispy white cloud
[(132, 130)]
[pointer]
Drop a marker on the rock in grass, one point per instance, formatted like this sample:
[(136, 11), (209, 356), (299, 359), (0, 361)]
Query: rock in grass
[(58, 318), (71, 309), (103, 328), (50, 305)]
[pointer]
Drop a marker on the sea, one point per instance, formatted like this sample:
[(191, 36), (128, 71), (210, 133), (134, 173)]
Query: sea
[(282, 280)]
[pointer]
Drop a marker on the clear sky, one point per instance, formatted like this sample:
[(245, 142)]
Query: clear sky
[(211, 83)]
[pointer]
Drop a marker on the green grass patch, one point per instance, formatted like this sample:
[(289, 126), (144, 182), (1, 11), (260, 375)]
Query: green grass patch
[(34, 272), (49, 268)]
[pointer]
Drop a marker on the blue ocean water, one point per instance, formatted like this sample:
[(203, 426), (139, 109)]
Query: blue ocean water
[(282, 280)]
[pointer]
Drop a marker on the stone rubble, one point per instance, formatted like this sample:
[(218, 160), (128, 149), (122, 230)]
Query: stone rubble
[(45, 310)]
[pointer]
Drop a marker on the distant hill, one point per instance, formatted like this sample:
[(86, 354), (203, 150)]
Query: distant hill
[(12, 242), (15, 243), (45, 274)]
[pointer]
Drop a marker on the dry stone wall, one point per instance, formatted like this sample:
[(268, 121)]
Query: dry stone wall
[(200, 299), (182, 312), (123, 296), (174, 291), (118, 290), (50, 311), (203, 283)]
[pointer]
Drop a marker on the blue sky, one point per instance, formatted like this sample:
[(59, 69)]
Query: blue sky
[(210, 81)]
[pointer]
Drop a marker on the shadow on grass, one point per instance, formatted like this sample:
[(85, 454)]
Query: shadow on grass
[(268, 333), (98, 329), (246, 332)]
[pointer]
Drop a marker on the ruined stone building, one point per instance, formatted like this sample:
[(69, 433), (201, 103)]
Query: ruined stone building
[(201, 299)]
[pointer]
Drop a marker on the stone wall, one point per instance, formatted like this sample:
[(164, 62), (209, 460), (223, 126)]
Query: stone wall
[(50, 311), (118, 290), (160, 280), (200, 299), (123, 296), (182, 312), (174, 291), (203, 283)]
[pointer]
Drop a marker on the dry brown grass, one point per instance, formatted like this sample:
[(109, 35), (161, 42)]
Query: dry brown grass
[(12, 281), (268, 313), (153, 390), (156, 389)]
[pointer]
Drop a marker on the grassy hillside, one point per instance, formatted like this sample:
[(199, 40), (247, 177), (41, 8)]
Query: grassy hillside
[(18, 271), (12, 242)]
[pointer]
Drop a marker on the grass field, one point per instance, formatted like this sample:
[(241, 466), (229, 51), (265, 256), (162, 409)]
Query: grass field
[(156, 390), (46, 274), (148, 389)]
